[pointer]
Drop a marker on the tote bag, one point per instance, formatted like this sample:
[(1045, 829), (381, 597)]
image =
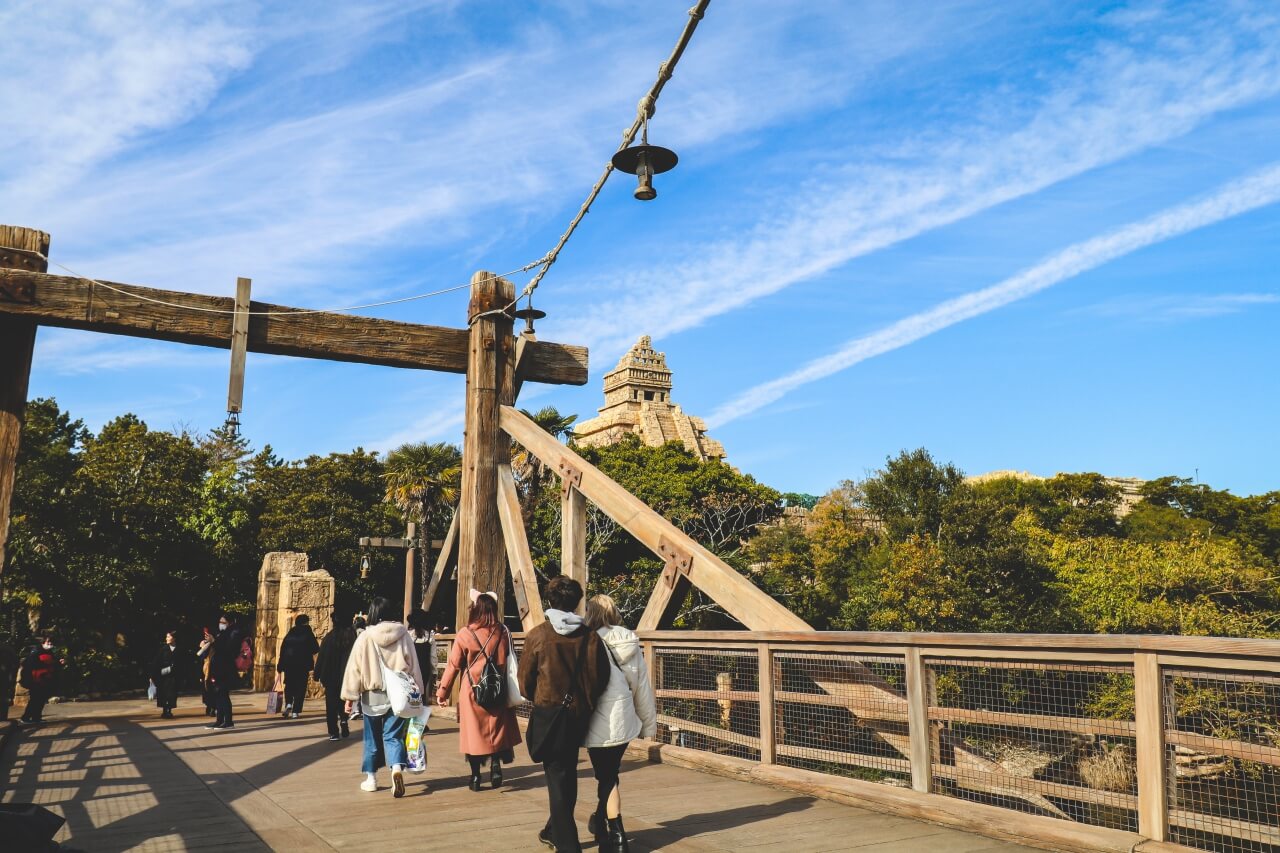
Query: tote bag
[(514, 699), (402, 691)]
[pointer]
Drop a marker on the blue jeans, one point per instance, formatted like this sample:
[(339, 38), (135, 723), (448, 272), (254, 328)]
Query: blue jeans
[(384, 742)]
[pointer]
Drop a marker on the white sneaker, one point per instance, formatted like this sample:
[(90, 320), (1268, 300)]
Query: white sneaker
[(369, 785), (397, 783)]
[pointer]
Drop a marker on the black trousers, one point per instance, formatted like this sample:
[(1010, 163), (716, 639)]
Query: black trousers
[(606, 761), (222, 703), (36, 701), (295, 688), (561, 772), (335, 714)]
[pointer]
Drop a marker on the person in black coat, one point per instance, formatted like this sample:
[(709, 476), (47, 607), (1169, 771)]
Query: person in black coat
[(331, 663), (223, 673), (297, 657), (40, 676), (165, 675)]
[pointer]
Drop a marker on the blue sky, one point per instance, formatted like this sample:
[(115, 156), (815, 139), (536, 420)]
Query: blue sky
[(1036, 236)]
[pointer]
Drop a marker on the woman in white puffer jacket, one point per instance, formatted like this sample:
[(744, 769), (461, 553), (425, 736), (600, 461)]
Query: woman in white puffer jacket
[(625, 711)]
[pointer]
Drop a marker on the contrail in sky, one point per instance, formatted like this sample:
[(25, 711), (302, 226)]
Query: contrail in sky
[(1258, 190)]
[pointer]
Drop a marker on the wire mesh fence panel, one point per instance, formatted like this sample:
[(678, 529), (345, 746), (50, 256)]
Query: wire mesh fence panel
[(709, 699), (1042, 738), (842, 713), (1223, 755)]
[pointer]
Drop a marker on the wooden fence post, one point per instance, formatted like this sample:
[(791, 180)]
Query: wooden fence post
[(23, 249), (410, 568), (921, 751), (768, 720), (1149, 725), (482, 559)]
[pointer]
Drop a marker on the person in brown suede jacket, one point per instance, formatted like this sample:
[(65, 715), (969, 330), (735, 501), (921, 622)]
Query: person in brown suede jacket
[(547, 663)]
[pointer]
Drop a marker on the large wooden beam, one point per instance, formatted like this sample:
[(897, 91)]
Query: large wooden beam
[(74, 303), (524, 580), (490, 362), (737, 595), (21, 249), (573, 538), (447, 551)]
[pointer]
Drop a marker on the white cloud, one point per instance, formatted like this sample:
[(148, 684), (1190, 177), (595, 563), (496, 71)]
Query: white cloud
[(1120, 99), (1258, 190), (1184, 306), (73, 353)]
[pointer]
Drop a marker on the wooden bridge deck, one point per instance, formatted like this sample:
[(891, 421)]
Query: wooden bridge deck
[(126, 780)]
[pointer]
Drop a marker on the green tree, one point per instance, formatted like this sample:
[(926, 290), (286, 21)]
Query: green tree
[(531, 473), (909, 494), (423, 481)]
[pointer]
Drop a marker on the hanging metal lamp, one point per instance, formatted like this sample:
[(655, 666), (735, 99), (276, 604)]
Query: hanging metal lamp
[(644, 161)]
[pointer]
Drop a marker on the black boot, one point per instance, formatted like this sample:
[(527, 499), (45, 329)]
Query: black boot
[(615, 838), (596, 824), (495, 772), (475, 776)]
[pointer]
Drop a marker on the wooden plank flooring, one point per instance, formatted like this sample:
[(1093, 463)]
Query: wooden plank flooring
[(126, 780)]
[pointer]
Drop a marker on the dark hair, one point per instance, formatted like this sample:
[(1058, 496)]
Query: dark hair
[(380, 611), (302, 619), (230, 617), (484, 612), (564, 593), (418, 622)]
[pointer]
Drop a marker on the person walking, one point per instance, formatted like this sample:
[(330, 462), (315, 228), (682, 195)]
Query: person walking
[(165, 675), (204, 653), (385, 643), (331, 665), (40, 676), (484, 734), (223, 672), (626, 710), (297, 659), (424, 643), (563, 671)]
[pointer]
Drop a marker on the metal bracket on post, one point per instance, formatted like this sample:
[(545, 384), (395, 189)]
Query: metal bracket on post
[(677, 561), (570, 477), (522, 597)]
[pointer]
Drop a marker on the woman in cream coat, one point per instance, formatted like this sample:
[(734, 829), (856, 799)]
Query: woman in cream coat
[(625, 711)]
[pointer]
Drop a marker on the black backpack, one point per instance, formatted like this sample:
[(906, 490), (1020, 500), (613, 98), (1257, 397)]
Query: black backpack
[(490, 691)]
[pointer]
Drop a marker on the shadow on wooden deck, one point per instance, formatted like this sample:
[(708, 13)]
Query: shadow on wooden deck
[(126, 780)]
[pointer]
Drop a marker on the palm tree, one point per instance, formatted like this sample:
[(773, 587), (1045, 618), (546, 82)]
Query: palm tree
[(423, 481), (531, 472)]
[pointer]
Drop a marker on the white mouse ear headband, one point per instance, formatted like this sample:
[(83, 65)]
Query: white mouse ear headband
[(475, 594)]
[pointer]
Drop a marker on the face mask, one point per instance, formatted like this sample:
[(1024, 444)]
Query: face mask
[(48, 647), (222, 626)]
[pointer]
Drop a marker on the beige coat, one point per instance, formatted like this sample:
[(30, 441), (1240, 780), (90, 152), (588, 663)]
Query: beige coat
[(391, 642)]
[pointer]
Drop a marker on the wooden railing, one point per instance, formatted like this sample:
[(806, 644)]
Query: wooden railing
[(1075, 742)]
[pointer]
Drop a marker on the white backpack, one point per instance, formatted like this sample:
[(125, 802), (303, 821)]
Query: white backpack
[(402, 691)]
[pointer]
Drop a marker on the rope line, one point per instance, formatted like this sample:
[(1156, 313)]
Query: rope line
[(292, 313), (644, 111)]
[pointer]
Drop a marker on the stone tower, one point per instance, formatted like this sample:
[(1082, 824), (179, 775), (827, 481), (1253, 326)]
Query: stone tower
[(637, 400)]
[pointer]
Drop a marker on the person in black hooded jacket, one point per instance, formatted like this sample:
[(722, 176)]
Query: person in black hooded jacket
[(331, 664), (297, 657)]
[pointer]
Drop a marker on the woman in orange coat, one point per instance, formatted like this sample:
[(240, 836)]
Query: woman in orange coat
[(483, 734)]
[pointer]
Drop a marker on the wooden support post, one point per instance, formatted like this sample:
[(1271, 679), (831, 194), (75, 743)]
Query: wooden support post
[(21, 249), (447, 550), (524, 580), (573, 537), (921, 747), (239, 348), (410, 568), (768, 718), (1149, 726), (490, 357)]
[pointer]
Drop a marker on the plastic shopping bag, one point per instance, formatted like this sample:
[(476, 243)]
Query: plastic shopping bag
[(414, 742), (151, 691)]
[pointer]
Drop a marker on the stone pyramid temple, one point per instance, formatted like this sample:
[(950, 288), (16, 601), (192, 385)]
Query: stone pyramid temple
[(637, 400)]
